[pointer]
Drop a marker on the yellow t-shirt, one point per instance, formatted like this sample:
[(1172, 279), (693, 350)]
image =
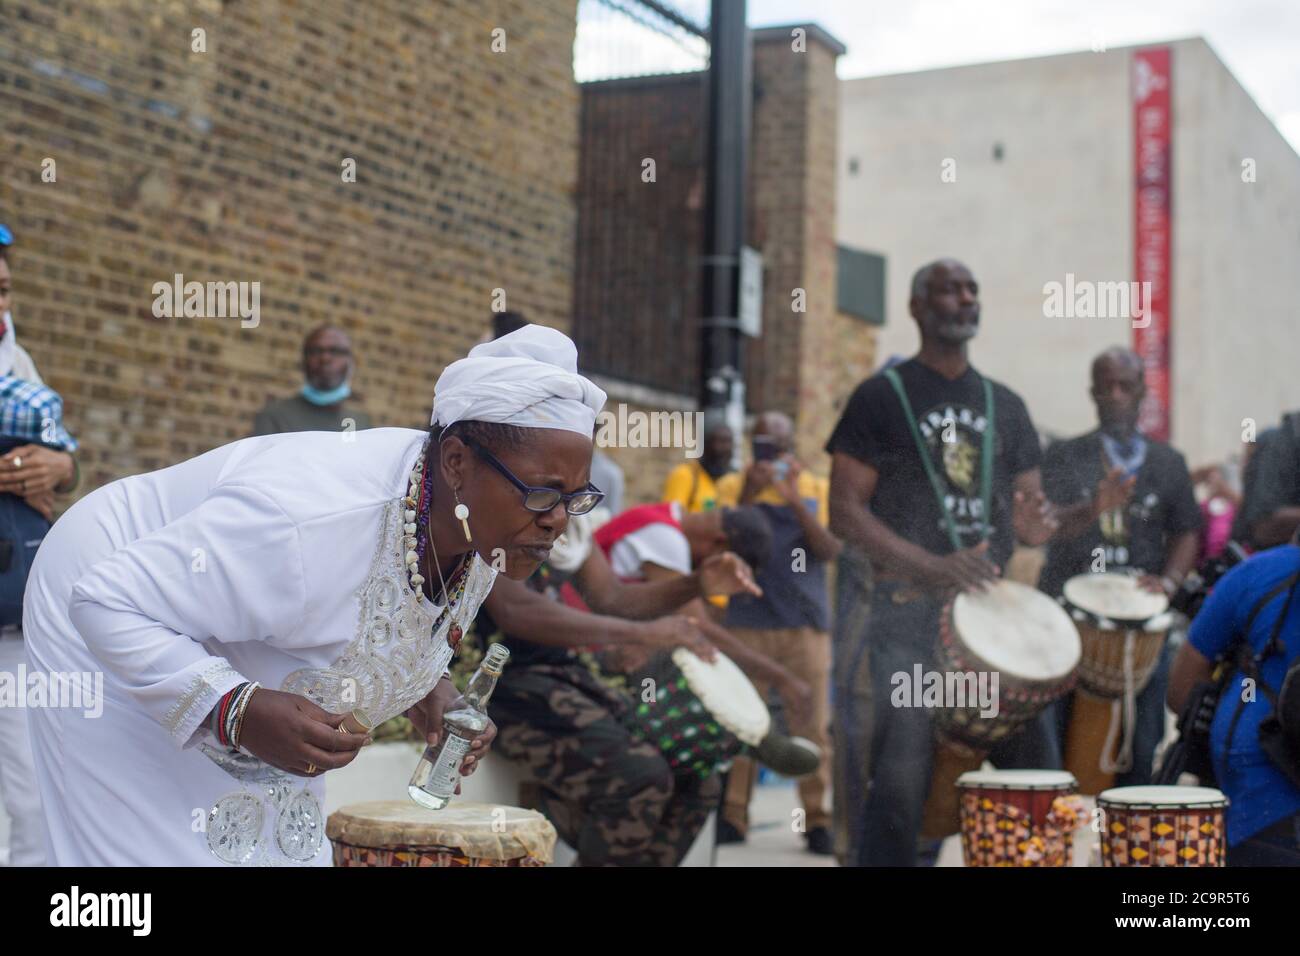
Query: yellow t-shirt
[(691, 487), (810, 486)]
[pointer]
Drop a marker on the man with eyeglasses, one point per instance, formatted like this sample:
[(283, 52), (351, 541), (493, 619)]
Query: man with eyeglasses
[(324, 403)]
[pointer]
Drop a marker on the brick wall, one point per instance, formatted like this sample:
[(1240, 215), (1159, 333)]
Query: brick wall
[(644, 469), (226, 166), (806, 363), (637, 285)]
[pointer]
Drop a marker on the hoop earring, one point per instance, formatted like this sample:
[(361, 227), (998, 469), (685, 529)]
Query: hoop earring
[(462, 512)]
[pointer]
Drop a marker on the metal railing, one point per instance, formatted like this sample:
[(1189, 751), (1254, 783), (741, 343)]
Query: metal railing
[(624, 38)]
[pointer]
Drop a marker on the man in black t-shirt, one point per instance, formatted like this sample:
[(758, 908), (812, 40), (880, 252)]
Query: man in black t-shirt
[(1125, 503), (1270, 503), (930, 526)]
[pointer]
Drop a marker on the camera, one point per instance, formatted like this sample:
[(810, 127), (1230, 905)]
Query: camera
[(1191, 594)]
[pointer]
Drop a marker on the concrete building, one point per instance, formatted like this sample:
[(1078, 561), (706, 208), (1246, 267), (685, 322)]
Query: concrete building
[(1026, 171)]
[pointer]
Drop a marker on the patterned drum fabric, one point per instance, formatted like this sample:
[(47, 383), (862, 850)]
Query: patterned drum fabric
[(345, 855), (1163, 826), (697, 727), (1019, 817), (400, 833), (689, 737)]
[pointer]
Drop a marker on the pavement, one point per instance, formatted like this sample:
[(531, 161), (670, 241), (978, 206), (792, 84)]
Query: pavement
[(772, 839)]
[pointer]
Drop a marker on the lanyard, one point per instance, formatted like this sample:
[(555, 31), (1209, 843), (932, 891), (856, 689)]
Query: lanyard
[(986, 457)]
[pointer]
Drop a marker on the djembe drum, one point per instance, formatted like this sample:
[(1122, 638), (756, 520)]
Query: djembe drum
[(401, 833), (1122, 628), (1019, 817), (1163, 826), (1023, 636), (699, 714), (1017, 633)]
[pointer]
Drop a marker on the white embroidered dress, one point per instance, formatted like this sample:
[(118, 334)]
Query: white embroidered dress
[(277, 559)]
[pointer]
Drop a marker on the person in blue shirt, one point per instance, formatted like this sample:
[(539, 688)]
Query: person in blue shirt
[(1263, 817)]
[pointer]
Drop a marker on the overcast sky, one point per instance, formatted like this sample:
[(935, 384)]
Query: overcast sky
[(1259, 40)]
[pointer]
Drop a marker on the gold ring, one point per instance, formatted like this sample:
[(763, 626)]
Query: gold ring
[(18, 462), (311, 770)]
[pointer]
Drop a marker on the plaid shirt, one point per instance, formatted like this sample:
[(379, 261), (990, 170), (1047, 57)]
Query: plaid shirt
[(33, 413)]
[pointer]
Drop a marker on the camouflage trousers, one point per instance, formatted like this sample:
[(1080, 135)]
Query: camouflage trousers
[(610, 796)]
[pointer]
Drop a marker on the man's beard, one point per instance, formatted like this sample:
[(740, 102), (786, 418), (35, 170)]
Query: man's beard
[(954, 331)]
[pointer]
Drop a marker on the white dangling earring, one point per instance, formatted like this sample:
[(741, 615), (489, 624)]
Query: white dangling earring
[(462, 513)]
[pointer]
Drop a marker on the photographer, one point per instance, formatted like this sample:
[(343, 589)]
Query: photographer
[(790, 621), (1255, 758)]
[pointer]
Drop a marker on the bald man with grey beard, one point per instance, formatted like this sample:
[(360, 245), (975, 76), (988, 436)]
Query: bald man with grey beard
[(934, 479)]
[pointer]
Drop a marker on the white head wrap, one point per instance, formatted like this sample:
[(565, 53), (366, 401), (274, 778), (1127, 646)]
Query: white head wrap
[(528, 378)]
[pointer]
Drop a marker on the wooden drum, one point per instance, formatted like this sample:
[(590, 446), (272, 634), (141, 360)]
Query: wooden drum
[(1163, 826), (401, 833)]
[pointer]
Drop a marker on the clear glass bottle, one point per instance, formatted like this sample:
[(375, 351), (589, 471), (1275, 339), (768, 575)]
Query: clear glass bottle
[(435, 777)]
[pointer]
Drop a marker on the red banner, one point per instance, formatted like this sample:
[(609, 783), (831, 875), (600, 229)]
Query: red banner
[(1153, 234)]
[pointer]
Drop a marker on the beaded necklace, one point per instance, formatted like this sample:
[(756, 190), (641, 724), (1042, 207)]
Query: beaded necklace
[(418, 505)]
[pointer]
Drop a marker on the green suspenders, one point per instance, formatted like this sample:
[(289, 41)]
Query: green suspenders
[(986, 457)]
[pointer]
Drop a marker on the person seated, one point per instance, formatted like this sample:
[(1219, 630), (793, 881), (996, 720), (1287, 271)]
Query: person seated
[(612, 796)]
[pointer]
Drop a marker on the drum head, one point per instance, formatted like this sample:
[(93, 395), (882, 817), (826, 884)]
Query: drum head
[(480, 830), (1117, 597), (1018, 780), (727, 693), (1017, 630), (1156, 796)]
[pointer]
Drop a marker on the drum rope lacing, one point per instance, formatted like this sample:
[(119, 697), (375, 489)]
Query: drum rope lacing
[(1123, 711)]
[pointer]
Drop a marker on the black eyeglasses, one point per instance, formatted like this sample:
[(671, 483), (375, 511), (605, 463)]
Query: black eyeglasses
[(543, 499)]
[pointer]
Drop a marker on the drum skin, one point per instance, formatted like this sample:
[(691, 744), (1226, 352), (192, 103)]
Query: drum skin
[(1163, 826), (399, 833), (1019, 700)]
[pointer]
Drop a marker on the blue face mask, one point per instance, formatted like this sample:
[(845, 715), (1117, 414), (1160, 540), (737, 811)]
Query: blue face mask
[(332, 397)]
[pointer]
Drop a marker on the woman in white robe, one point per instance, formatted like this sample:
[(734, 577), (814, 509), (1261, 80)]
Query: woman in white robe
[(288, 560)]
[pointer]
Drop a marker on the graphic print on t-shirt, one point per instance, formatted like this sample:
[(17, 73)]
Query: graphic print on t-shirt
[(954, 435), (1115, 524)]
